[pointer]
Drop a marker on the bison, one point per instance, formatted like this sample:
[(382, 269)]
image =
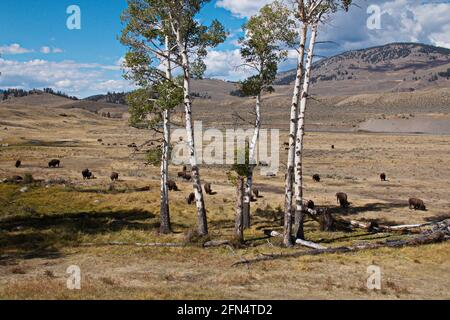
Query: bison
[(417, 204), (256, 192), (316, 178), (208, 189), (172, 185), (187, 176), (342, 199), (191, 198), (86, 174), (309, 204), (383, 177), (332, 146), (54, 163), (18, 163), (114, 176)]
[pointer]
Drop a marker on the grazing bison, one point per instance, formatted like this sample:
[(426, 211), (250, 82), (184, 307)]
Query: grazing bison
[(18, 163), (342, 199), (208, 189), (191, 198), (181, 174), (16, 179), (54, 163), (309, 204), (316, 178), (172, 186), (86, 174), (187, 176), (383, 177), (114, 176), (417, 204), (256, 192)]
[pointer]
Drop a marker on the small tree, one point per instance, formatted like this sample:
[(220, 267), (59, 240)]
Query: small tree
[(317, 11), (174, 23), (267, 35), (148, 36), (192, 41), (239, 171)]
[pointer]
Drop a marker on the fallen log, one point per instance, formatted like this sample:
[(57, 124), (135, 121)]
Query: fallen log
[(216, 243), (434, 237), (304, 243), (372, 226)]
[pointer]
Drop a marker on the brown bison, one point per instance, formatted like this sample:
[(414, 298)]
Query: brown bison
[(256, 193), (332, 146), (342, 199), (114, 176), (383, 177), (18, 163), (172, 186), (208, 189), (187, 176), (316, 178), (54, 163), (191, 198), (86, 174), (309, 204), (417, 204)]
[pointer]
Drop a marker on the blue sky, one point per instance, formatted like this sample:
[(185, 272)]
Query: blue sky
[(38, 50)]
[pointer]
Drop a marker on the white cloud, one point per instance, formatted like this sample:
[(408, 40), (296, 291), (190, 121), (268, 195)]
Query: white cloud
[(74, 78), (242, 8), (225, 65), (47, 50), (14, 48), (401, 21)]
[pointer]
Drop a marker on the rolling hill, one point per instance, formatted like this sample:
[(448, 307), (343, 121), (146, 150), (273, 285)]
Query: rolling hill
[(395, 67)]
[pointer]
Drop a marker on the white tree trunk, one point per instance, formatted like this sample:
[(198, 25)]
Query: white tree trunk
[(239, 221), (292, 134), (165, 209), (299, 214), (165, 226), (252, 150), (202, 224)]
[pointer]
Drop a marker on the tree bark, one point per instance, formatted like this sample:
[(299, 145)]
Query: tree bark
[(287, 238), (299, 214), (165, 226), (252, 163), (202, 224), (239, 223)]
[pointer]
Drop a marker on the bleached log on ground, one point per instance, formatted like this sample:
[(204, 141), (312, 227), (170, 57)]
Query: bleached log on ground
[(379, 228), (428, 238), (304, 243), (216, 243)]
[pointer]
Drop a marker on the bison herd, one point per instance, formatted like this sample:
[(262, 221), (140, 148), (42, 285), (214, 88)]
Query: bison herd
[(341, 197)]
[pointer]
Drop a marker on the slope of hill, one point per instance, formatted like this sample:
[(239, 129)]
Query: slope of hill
[(396, 67), (54, 101)]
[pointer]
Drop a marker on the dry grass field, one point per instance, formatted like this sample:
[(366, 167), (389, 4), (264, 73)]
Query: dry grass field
[(62, 220)]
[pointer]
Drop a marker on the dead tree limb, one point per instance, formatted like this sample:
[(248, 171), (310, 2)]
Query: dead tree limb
[(304, 243), (433, 237), (216, 243)]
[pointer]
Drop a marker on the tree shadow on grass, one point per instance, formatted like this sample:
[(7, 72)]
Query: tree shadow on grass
[(437, 218), (44, 237), (369, 207)]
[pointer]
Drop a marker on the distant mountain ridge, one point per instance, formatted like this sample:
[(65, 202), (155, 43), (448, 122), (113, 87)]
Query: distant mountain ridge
[(391, 67)]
